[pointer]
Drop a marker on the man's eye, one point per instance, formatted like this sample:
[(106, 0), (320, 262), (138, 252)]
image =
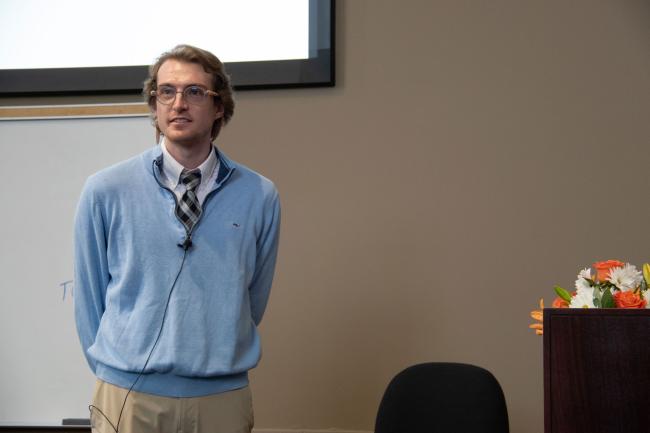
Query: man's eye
[(194, 91), (167, 91)]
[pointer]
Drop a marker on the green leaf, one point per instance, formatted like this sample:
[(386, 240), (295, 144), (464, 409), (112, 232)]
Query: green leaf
[(562, 293), (596, 302), (607, 301), (646, 273)]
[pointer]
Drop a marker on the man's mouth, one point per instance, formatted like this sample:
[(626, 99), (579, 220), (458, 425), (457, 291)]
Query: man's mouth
[(180, 120)]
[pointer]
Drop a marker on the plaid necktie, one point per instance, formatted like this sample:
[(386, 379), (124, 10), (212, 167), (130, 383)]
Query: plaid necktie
[(188, 209)]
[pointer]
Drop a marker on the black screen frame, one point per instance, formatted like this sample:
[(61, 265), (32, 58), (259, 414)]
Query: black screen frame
[(316, 71)]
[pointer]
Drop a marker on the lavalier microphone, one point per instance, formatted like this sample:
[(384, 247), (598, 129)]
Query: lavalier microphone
[(187, 243)]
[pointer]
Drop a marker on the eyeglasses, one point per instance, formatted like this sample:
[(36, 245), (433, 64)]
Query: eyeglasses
[(195, 95)]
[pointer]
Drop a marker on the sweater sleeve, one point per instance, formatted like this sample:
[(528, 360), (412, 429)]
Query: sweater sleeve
[(91, 276), (267, 251)]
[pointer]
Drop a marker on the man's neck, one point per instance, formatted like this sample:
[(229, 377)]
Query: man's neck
[(189, 157)]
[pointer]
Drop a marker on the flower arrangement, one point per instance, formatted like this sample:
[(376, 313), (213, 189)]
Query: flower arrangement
[(613, 285)]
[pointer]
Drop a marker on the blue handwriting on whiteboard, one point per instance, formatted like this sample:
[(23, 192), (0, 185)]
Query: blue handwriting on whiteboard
[(67, 285)]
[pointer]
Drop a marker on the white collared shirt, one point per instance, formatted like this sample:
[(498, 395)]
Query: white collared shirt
[(171, 173)]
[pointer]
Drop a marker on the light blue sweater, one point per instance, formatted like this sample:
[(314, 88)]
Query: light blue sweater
[(126, 258)]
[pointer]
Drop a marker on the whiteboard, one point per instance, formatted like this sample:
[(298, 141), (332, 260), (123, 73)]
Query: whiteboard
[(44, 376), (82, 34)]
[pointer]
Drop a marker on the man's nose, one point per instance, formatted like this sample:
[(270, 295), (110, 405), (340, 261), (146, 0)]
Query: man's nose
[(179, 101)]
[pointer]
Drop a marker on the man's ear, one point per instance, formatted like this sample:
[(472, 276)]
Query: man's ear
[(219, 113)]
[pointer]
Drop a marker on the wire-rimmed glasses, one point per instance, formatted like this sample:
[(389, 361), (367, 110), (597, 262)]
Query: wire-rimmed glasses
[(194, 94)]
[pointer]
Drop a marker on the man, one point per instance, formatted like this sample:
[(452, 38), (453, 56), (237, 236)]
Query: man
[(175, 251)]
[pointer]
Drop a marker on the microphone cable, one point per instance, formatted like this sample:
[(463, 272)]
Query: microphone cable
[(185, 245)]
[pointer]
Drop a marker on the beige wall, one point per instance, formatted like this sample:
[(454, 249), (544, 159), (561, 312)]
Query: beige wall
[(472, 155)]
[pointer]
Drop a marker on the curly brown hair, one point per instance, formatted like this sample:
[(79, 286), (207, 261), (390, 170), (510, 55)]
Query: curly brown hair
[(211, 64)]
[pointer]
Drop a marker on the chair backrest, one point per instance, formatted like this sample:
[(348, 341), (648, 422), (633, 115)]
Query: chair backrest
[(441, 397)]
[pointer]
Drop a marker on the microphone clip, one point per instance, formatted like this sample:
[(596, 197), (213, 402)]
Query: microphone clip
[(187, 243)]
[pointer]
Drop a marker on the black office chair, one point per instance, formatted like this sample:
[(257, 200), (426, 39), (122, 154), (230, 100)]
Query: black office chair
[(441, 397)]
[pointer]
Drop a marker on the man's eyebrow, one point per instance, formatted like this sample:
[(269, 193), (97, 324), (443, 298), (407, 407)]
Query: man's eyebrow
[(185, 86)]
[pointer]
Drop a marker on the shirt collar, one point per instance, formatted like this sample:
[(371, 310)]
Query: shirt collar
[(172, 169)]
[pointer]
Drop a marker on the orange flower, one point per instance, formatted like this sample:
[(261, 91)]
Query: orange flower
[(539, 316), (603, 268), (628, 300), (560, 303)]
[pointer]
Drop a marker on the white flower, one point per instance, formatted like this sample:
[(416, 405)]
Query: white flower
[(585, 273), (581, 282), (584, 298), (646, 296), (626, 277)]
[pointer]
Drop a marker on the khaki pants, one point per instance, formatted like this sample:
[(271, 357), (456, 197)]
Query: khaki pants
[(228, 412)]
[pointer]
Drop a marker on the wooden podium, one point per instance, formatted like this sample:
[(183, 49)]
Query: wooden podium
[(596, 370)]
